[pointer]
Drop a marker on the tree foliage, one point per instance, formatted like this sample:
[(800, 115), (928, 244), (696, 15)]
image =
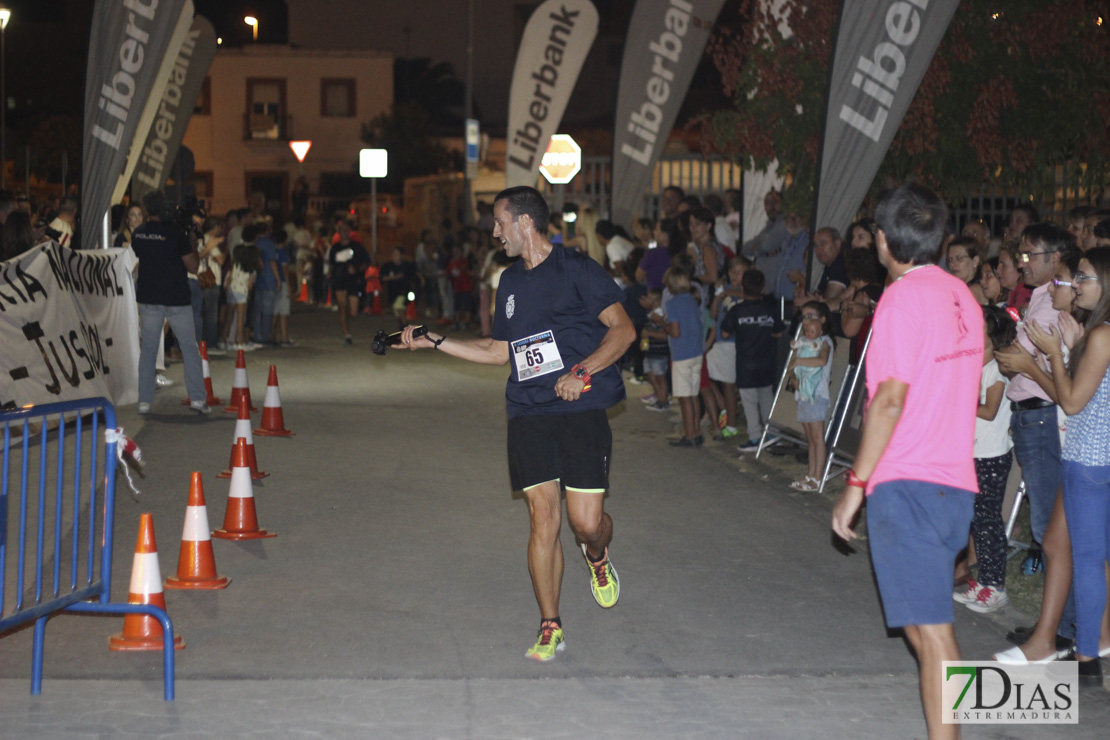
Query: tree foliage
[(1016, 88), (435, 87), (405, 131)]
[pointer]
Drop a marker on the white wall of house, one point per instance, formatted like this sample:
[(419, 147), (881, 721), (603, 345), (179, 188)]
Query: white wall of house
[(227, 154)]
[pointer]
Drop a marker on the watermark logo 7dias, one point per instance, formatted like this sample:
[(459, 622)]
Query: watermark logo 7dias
[(989, 693)]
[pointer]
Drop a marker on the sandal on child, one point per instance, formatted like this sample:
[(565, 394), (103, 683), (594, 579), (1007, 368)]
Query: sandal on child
[(808, 484)]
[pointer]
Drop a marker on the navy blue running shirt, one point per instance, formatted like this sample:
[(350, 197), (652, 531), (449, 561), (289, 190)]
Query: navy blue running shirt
[(549, 316)]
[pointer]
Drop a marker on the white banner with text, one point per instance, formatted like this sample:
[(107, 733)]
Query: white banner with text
[(69, 326)]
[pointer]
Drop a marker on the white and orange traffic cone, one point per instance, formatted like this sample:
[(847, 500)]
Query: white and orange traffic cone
[(243, 431), (141, 632), (273, 421), (241, 520), (211, 400), (410, 311), (240, 388), (196, 565)]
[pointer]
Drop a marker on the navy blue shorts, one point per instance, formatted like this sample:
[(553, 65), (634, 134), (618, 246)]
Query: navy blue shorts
[(916, 529), (573, 449)]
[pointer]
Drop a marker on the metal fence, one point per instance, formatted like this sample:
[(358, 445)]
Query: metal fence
[(56, 525), (695, 174), (700, 176)]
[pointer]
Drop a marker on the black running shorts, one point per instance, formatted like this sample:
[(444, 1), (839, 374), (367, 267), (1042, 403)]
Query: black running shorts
[(571, 448)]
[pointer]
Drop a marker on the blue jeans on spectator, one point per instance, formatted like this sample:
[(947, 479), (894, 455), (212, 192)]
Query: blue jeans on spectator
[(196, 298), (151, 319), (263, 314), (1037, 446), (1036, 435), (1087, 507)]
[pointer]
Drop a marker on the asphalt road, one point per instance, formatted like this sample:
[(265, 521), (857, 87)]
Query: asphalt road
[(395, 600)]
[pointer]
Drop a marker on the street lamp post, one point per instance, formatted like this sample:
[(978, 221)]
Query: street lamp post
[(251, 21), (5, 16)]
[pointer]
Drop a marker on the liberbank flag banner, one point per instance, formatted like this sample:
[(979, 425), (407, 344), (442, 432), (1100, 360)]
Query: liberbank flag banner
[(174, 109), (552, 51), (882, 51), (129, 42), (68, 326), (665, 42)]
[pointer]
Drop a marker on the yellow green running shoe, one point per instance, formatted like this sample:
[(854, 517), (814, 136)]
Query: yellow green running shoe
[(603, 580), (549, 643)]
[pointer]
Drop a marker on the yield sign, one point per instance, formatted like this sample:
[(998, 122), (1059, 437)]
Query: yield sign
[(300, 149)]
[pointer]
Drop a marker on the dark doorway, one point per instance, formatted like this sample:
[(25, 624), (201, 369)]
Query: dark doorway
[(275, 187)]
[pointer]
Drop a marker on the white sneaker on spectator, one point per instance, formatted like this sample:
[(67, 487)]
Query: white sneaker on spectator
[(989, 600), (649, 398), (162, 381), (969, 594), (144, 408)]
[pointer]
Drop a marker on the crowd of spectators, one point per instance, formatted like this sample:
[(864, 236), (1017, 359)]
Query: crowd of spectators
[(740, 298)]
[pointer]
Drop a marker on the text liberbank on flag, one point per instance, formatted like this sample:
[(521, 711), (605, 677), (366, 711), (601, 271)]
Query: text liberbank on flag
[(182, 88), (665, 42), (552, 51), (128, 45), (883, 49)]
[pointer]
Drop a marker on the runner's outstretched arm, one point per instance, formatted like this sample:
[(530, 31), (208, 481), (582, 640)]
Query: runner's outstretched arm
[(483, 351)]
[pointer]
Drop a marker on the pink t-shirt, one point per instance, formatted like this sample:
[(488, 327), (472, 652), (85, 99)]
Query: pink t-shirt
[(1040, 310), (928, 333)]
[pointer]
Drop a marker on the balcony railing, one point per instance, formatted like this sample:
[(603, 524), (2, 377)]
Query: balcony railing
[(267, 127)]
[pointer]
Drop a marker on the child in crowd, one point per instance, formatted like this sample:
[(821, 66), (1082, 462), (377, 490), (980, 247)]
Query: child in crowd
[(657, 353), (755, 324), (811, 368), (239, 283), (686, 340), (993, 459), (459, 271), (721, 357)]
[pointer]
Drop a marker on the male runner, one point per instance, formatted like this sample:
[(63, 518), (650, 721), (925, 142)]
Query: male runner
[(560, 321)]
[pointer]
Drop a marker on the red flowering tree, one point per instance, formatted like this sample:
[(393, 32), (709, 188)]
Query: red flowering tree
[(1015, 88)]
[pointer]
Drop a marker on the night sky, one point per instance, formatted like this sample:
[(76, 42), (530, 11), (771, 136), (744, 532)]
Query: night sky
[(54, 34)]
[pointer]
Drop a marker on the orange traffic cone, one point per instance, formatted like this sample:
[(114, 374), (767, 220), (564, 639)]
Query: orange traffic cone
[(240, 520), (243, 431), (377, 311), (410, 312), (273, 422), (211, 400), (141, 632), (196, 565), (303, 298), (240, 388)]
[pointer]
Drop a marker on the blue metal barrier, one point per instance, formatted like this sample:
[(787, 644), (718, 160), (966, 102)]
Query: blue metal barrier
[(57, 527)]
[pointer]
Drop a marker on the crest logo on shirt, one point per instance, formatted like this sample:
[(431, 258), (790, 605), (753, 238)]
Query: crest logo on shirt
[(510, 306)]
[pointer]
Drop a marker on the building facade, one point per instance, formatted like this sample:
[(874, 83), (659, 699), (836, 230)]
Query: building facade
[(259, 97)]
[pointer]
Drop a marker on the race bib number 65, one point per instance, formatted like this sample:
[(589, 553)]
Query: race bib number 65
[(536, 355)]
